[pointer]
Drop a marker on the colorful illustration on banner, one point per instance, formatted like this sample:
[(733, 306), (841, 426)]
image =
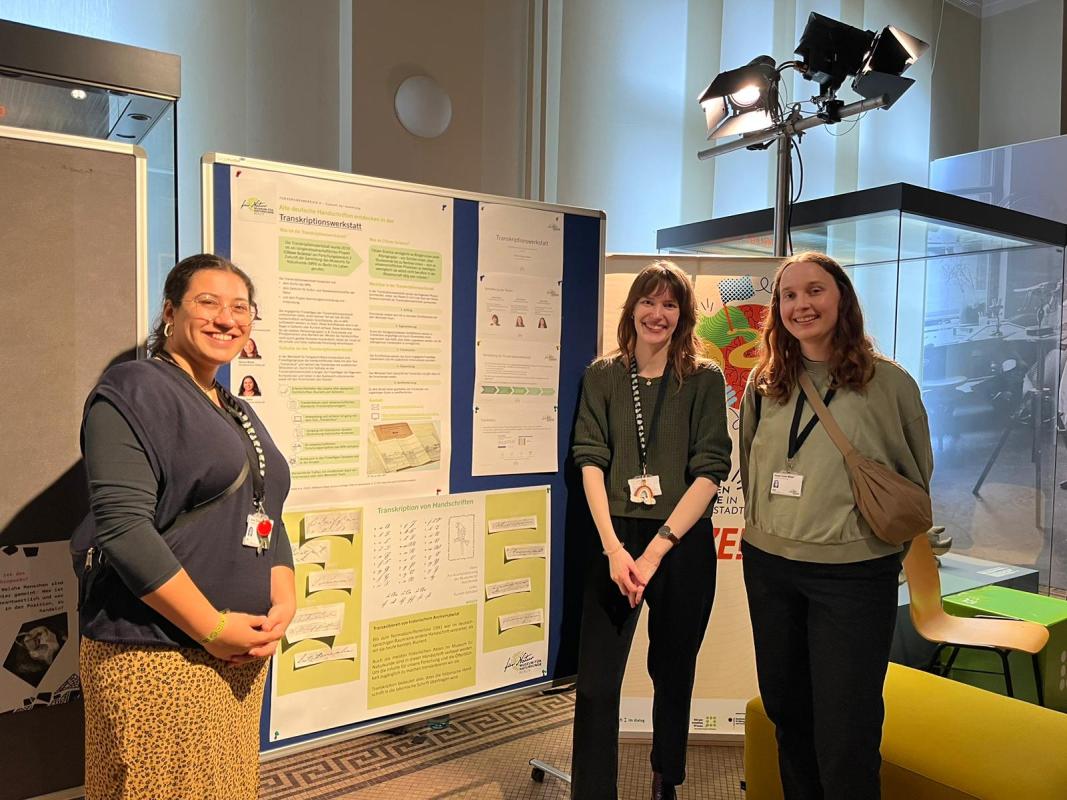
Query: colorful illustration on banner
[(729, 336)]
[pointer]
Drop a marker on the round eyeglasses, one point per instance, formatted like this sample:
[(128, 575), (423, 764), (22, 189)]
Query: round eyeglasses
[(207, 306)]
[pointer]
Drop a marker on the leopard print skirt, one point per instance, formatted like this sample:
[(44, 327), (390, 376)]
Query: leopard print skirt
[(163, 724)]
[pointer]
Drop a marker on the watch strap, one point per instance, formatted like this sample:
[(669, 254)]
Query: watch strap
[(666, 533)]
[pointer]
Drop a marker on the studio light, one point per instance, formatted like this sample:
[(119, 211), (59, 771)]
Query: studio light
[(891, 53), (831, 51), (742, 100)]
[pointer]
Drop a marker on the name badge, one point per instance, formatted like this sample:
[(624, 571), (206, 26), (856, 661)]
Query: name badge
[(645, 489), (787, 484), (258, 532)]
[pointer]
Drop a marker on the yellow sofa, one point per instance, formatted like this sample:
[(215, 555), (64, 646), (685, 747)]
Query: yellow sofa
[(941, 740)]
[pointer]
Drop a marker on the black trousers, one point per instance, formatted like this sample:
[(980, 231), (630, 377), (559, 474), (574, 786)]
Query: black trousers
[(679, 598), (822, 634)]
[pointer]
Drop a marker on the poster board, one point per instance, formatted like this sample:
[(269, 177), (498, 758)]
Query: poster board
[(404, 219), (726, 670), (72, 274)]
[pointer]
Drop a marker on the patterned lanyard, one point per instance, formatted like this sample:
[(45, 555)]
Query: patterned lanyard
[(644, 443), (233, 408)]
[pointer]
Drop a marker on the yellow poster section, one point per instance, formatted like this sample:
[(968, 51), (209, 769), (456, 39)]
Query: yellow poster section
[(421, 655), (499, 510), (726, 667), (324, 559)]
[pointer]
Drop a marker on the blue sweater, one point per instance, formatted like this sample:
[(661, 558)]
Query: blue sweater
[(190, 451)]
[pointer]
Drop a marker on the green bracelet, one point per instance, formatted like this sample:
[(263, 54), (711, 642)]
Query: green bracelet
[(218, 628)]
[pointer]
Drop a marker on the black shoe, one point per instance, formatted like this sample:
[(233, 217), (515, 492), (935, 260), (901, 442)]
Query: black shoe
[(661, 790)]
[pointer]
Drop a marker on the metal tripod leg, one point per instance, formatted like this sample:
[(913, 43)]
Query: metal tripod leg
[(540, 768)]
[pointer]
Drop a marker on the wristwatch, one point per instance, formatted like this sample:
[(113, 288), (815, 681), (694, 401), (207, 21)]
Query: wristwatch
[(666, 532)]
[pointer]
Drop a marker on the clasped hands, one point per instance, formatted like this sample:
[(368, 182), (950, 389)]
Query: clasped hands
[(632, 575), (247, 637)]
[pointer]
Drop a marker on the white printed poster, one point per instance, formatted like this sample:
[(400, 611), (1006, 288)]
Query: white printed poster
[(38, 627), (350, 360), (520, 301), (405, 603)]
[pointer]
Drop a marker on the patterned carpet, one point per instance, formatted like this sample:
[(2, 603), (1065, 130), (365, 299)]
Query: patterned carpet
[(481, 754), (341, 770)]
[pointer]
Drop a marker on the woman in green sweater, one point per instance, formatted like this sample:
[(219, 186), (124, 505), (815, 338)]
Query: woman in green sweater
[(652, 445), (822, 588)]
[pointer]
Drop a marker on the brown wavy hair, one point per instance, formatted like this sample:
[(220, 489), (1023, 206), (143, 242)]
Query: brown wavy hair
[(657, 277), (852, 354)]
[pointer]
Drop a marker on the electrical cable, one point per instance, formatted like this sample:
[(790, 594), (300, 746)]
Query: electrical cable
[(855, 122), (937, 39)]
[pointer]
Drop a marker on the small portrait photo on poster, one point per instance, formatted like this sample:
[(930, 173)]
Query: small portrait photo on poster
[(249, 387), (250, 350)]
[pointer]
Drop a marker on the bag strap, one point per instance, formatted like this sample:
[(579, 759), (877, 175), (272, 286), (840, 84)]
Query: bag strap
[(833, 430)]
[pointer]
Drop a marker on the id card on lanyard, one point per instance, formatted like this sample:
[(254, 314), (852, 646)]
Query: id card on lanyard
[(789, 483), (645, 488)]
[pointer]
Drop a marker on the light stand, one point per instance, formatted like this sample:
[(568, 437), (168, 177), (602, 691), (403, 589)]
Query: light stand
[(793, 125)]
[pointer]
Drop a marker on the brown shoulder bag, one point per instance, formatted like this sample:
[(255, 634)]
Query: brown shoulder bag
[(896, 509)]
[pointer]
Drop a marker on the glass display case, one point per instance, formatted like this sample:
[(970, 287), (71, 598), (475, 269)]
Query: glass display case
[(62, 83), (968, 297)]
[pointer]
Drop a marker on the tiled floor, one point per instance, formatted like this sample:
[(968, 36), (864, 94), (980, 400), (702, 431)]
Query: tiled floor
[(481, 755)]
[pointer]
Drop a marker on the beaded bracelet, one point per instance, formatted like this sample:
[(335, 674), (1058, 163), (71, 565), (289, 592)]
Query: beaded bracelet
[(218, 628)]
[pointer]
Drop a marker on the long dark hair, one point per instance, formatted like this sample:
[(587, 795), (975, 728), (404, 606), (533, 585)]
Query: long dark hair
[(657, 277), (177, 284), (852, 355)]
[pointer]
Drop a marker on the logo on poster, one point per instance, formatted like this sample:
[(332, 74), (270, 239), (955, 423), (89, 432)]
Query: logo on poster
[(256, 209), (521, 661)]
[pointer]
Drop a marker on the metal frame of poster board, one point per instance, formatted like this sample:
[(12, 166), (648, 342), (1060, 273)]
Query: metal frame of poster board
[(75, 231), (583, 270), (726, 673)]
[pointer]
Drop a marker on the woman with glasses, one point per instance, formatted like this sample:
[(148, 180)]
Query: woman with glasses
[(189, 583)]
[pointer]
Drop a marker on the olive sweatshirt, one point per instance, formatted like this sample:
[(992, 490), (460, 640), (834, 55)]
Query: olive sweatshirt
[(886, 422), (690, 439)]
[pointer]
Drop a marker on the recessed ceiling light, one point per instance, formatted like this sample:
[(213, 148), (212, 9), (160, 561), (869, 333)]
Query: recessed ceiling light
[(78, 94)]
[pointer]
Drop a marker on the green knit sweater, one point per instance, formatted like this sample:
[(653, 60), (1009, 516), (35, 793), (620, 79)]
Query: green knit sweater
[(690, 439), (886, 422)]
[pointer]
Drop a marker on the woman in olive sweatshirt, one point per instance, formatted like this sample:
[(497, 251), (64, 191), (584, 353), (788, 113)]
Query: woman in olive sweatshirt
[(652, 445), (822, 588)]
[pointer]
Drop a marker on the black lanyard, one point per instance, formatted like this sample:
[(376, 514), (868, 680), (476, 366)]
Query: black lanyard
[(795, 441), (645, 442), (256, 457)]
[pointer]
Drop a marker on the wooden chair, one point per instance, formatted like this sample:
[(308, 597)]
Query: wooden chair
[(997, 635)]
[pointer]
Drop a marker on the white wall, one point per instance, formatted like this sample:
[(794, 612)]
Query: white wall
[(620, 114), (476, 50), (956, 95), (1021, 74)]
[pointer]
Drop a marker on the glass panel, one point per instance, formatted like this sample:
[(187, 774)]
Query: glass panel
[(872, 239), (975, 317), (61, 107), (921, 237), (990, 367), (162, 219)]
